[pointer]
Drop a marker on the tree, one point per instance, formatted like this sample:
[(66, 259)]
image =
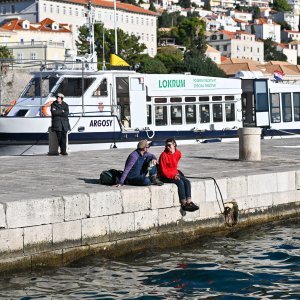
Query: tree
[(152, 7), (5, 52), (281, 5), (151, 65), (207, 5), (128, 45), (185, 3), (271, 53), (171, 57)]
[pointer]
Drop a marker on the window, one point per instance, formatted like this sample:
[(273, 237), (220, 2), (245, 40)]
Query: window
[(217, 98), (102, 89), (190, 99), (149, 114), (76, 12), (175, 99), (190, 114), (22, 41), (19, 57), (57, 9), (296, 106), (275, 108), (213, 37), (33, 55), (229, 98), (161, 115), (51, 8), (21, 113), (142, 21), (203, 99), (33, 89), (72, 87), (160, 100), (204, 113), (229, 112), (217, 113), (64, 10), (4, 10), (70, 11), (176, 115), (13, 9), (32, 41), (261, 96), (45, 7), (286, 107), (225, 47), (221, 36)]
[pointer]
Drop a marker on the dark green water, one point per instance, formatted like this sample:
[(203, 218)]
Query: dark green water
[(258, 263)]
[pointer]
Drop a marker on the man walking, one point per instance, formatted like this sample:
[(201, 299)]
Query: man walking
[(60, 122)]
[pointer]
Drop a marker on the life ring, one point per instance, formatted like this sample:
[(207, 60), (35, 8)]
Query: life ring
[(9, 108), (100, 106), (46, 112)]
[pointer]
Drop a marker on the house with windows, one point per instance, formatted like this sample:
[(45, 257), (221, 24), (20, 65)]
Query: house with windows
[(238, 44), (290, 35), (130, 18), (47, 40)]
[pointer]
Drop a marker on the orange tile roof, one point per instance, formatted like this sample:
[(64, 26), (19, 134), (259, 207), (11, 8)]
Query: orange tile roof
[(120, 6)]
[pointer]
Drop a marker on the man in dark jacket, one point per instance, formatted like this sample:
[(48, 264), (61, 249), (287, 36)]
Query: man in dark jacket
[(60, 121)]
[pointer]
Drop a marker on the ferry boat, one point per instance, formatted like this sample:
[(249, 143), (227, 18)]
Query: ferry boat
[(118, 108)]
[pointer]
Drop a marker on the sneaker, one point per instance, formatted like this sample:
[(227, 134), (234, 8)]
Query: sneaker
[(156, 181), (193, 205), (189, 207)]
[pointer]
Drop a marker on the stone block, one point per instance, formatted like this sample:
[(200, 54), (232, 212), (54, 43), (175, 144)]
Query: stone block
[(76, 207), (95, 230), (255, 201), (198, 192), (11, 240), (162, 196), (122, 223), (168, 216), (212, 192), (209, 210), (297, 180), (284, 197), (146, 220), (37, 238), (105, 203), (2, 216), (33, 212), (192, 216), (262, 184), (67, 234), (286, 181), (135, 199), (237, 187)]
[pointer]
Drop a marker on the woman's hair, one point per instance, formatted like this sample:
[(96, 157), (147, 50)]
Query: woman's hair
[(171, 140)]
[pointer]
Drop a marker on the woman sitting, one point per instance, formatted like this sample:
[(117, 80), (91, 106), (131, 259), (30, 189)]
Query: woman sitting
[(169, 173)]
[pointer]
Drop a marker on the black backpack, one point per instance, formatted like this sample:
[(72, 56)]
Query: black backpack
[(110, 177)]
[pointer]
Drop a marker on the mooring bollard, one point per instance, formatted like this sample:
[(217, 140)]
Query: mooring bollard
[(53, 143), (250, 144)]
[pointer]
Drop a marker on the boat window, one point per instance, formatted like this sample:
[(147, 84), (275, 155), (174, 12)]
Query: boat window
[(176, 115), (296, 106), (286, 107), (229, 111), (204, 114), (72, 87), (275, 108), (149, 114), (203, 99), (190, 114), (217, 113), (190, 99), (261, 96), (21, 113), (229, 98), (173, 99), (34, 89), (216, 98), (102, 89), (161, 115), (160, 100)]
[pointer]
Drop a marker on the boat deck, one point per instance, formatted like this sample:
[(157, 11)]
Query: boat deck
[(35, 177)]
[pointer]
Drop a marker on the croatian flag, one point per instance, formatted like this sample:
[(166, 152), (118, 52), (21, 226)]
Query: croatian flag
[(278, 75)]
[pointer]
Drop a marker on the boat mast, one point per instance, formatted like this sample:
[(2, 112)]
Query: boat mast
[(115, 25), (92, 57)]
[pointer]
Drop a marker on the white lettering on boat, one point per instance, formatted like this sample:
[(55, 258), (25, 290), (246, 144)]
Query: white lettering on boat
[(100, 123)]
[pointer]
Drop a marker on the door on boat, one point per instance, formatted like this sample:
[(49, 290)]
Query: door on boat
[(122, 92), (255, 102)]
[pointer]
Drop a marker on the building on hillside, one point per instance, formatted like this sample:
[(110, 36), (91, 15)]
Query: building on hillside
[(296, 45), (47, 40), (7, 36), (290, 35), (213, 54), (222, 3), (289, 51), (130, 18), (295, 6), (264, 29), (290, 18), (241, 15), (237, 45), (259, 3)]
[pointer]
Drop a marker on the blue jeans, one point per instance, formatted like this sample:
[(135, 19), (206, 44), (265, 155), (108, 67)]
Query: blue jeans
[(142, 179), (183, 185)]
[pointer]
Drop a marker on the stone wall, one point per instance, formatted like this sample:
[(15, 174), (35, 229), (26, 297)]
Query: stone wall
[(56, 231)]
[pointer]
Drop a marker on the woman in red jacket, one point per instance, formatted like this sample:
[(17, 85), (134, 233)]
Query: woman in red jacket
[(169, 173)]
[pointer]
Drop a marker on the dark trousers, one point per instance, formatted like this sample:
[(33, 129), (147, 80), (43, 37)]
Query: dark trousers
[(143, 179), (62, 140), (183, 185)]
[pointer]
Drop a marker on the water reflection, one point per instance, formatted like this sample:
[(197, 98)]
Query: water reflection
[(252, 264)]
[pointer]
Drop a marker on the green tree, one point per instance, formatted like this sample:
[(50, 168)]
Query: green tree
[(128, 45), (185, 3), (152, 7), (151, 65), (207, 5), (171, 57), (198, 64), (271, 53), (169, 20), (5, 52), (281, 5)]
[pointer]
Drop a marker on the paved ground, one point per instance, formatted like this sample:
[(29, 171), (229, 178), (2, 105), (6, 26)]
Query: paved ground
[(28, 177)]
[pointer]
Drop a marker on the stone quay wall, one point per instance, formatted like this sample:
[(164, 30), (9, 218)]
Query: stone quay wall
[(55, 231)]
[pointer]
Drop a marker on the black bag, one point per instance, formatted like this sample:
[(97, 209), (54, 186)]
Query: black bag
[(110, 177)]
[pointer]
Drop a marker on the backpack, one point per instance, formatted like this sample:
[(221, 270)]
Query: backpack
[(110, 177)]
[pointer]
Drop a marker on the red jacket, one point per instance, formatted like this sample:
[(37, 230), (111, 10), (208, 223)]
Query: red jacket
[(168, 163)]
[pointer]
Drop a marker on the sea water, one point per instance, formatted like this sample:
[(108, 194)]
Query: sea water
[(257, 263)]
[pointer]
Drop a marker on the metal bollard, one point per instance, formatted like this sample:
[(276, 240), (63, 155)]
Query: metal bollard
[(53, 143), (250, 144)]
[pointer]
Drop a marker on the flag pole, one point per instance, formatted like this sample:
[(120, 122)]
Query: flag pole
[(115, 24)]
